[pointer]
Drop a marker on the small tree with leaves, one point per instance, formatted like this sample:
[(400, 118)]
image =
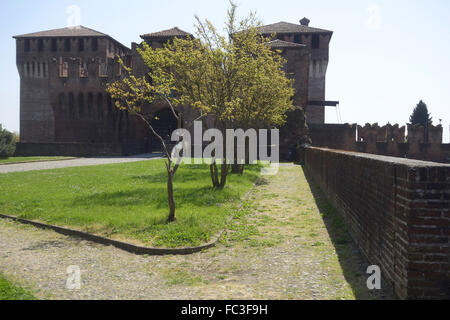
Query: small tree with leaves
[(136, 95), (237, 80), (421, 115), (8, 142)]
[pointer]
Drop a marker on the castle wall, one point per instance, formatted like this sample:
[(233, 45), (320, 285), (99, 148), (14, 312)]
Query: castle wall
[(389, 140), (396, 210), (64, 99)]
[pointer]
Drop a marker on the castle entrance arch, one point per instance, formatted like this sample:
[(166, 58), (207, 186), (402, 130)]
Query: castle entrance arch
[(164, 123)]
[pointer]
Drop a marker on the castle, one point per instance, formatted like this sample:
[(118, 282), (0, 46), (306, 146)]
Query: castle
[(65, 110)]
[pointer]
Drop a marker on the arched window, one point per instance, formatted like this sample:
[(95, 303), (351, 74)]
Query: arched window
[(81, 44), (71, 111), (90, 104), (62, 105), (315, 41), (109, 111), (81, 105), (67, 45), (54, 45), (99, 106), (40, 45), (94, 44), (27, 45)]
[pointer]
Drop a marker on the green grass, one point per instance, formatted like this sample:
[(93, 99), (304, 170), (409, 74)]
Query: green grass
[(9, 291), (127, 201), (11, 160)]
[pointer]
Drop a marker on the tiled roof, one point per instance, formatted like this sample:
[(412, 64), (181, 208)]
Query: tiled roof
[(285, 44), (78, 31), (286, 27), (174, 32)]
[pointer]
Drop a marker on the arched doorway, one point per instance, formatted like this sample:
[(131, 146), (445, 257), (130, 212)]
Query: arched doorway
[(164, 123)]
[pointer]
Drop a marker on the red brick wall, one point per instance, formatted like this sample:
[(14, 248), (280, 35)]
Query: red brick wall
[(397, 211)]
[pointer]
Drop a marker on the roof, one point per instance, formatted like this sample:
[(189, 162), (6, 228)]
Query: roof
[(78, 31), (286, 27), (174, 32), (285, 44)]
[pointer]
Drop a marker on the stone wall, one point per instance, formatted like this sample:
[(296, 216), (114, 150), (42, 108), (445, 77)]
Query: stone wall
[(69, 149), (398, 213), (388, 140)]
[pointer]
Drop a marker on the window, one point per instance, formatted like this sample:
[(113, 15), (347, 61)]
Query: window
[(54, 45), (27, 45), (40, 45), (94, 44), (44, 70), (33, 67), (80, 45), (81, 105), (315, 41), (90, 104), (28, 69), (67, 45), (298, 38), (63, 69), (62, 104), (71, 113), (83, 72), (103, 69), (99, 106), (118, 69)]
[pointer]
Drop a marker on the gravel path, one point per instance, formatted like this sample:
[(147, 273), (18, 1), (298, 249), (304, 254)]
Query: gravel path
[(80, 162), (279, 249)]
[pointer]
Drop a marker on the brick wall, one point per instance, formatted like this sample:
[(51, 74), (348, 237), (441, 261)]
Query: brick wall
[(397, 211), (69, 149), (388, 140)]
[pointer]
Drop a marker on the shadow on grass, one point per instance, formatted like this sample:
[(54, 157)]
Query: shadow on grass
[(191, 188), (352, 262), (156, 197)]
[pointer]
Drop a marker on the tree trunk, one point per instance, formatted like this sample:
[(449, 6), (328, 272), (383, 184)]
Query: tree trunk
[(172, 217), (214, 174), (216, 182), (223, 175)]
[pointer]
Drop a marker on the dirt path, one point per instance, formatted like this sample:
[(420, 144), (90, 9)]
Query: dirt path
[(278, 248), (79, 162)]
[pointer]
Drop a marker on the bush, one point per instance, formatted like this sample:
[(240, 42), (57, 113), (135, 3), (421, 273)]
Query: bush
[(8, 142)]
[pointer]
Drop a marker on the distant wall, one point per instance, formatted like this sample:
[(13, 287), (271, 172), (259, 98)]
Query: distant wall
[(68, 149), (389, 140), (397, 211)]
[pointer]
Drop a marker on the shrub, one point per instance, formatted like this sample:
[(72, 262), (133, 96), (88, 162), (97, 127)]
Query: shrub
[(7, 143)]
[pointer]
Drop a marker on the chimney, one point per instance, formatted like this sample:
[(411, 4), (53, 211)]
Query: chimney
[(305, 22)]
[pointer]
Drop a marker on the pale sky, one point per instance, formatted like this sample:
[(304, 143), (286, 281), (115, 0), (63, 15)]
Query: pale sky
[(385, 55)]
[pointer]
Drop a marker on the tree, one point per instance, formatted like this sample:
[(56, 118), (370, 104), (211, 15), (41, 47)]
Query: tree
[(236, 80), (421, 115), (7, 143), (136, 95)]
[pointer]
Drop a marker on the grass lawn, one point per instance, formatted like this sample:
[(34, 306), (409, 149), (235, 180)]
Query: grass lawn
[(30, 159), (9, 291), (127, 201)]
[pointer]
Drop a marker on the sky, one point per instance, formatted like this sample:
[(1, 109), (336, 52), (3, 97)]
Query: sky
[(385, 55)]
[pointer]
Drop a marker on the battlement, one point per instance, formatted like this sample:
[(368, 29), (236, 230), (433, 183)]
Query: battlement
[(391, 140)]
